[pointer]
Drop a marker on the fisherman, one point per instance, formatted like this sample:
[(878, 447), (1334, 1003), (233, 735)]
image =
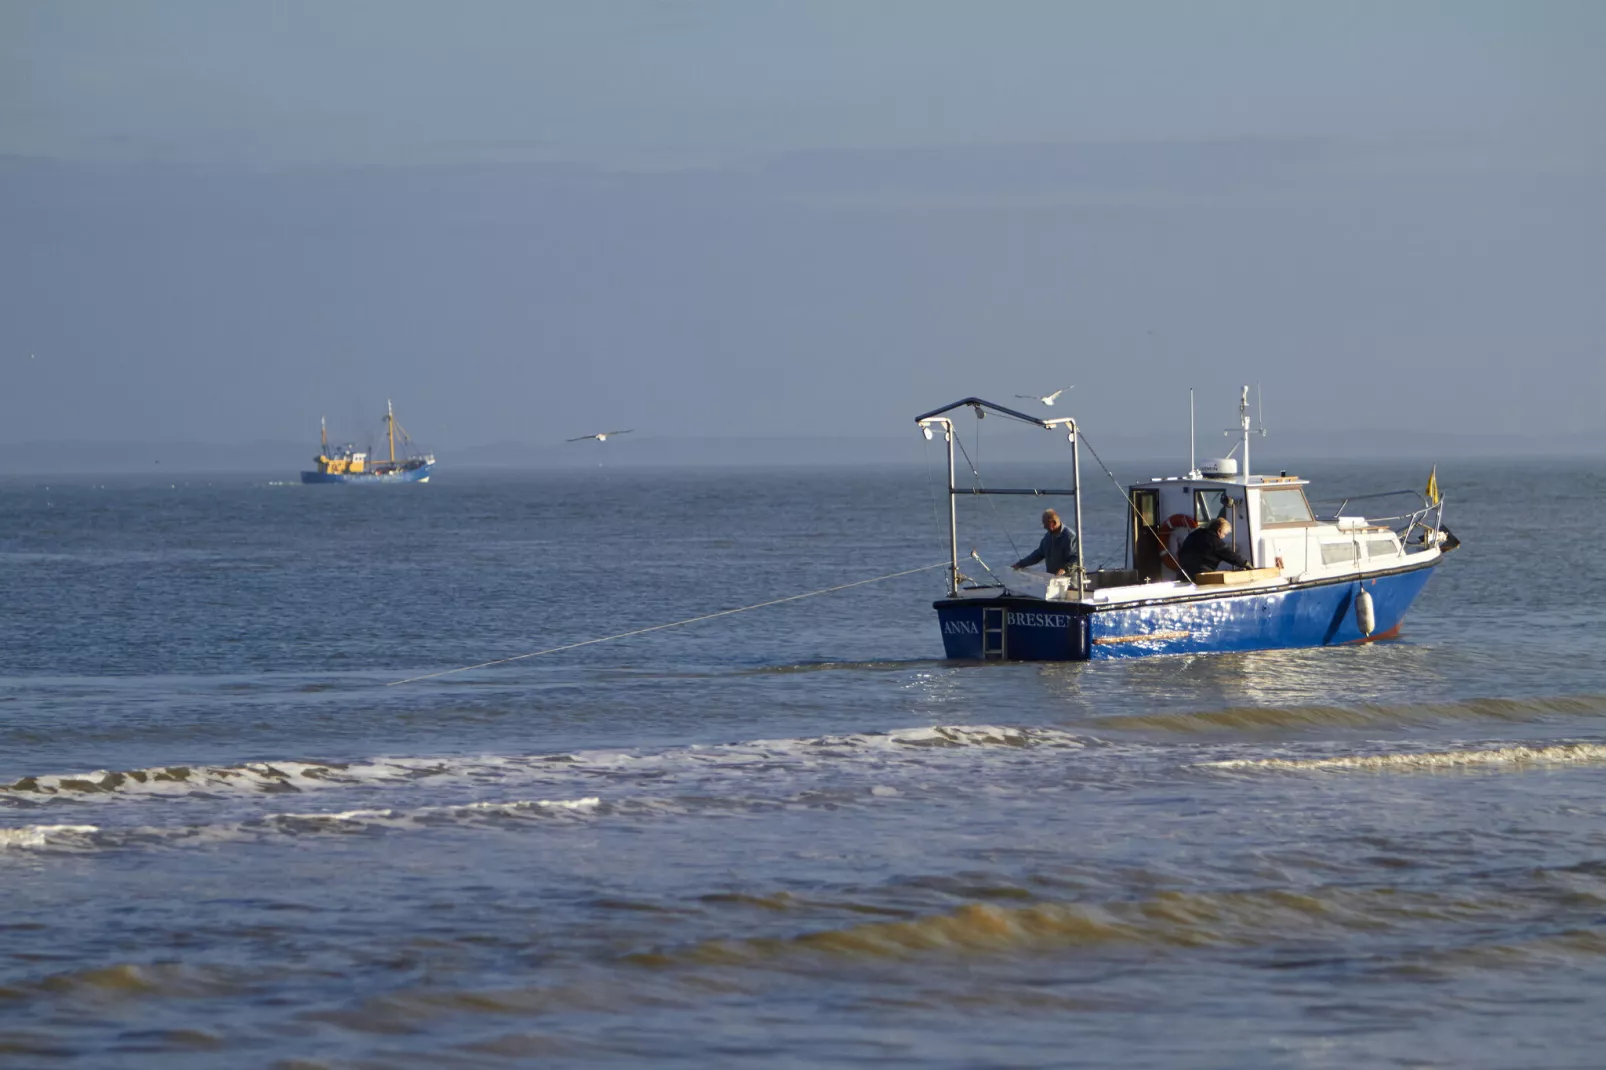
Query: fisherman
[(1057, 551), (1206, 549)]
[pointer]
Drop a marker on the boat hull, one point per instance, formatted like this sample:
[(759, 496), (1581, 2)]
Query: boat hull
[(1316, 613), (420, 474)]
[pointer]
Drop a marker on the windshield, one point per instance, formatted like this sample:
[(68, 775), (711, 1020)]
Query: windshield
[(1286, 505)]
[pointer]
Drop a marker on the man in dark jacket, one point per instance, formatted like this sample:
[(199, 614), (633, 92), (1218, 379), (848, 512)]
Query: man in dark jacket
[(1207, 548), (1057, 551)]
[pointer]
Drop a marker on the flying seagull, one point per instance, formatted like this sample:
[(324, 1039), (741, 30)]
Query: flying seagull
[(1045, 399), (601, 436)]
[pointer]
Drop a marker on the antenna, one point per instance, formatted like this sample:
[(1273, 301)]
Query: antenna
[(1244, 428), (1193, 436), (1243, 421)]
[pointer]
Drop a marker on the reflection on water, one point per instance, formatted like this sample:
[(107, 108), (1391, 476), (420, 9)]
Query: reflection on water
[(1190, 683)]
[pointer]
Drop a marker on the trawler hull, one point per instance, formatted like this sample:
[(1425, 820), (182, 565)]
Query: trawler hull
[(1313, 613), (418, 474)]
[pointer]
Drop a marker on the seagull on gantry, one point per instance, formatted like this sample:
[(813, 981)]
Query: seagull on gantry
[(600, 436), (1046, 399)]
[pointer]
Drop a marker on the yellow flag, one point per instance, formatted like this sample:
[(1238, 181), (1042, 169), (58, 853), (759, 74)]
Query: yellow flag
[(1432, 493)]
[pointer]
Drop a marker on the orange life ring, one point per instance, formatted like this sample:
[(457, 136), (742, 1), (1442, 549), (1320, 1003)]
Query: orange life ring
[(1175, 522)]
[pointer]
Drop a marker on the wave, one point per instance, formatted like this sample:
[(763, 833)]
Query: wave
[(41, 836), (79, 838), (1519, 755), (1552, 951), (310, 776), (643, 784), (157, 979), (1174, 919), (1512, 710), (249, 776), (677, 975)]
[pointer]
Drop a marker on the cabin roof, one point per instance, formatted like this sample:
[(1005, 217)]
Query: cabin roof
[(1227, 481)]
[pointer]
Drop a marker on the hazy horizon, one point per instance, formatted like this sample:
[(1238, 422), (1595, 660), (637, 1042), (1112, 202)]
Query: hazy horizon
[(1163, 454)]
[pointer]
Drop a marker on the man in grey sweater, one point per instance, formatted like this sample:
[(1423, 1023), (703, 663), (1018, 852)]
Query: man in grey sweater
[(1057, 551)]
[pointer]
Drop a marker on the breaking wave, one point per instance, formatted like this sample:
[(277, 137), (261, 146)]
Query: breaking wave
[(40, 836), (1556, 754), (189, 780), (110, 810), (73, 838), (311, 776), (1511, 710)]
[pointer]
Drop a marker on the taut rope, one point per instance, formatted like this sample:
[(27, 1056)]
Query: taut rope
[(673, 624)]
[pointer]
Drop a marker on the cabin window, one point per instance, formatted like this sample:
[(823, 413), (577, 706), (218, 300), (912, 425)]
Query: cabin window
[(1147, 545), (1286, 505), (1339, 553), (1148, 506), (1381, 548), (1204, 503)]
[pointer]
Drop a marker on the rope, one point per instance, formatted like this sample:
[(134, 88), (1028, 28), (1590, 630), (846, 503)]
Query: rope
[(1129, 501), (931, 486), (674, 624), (975, 484)]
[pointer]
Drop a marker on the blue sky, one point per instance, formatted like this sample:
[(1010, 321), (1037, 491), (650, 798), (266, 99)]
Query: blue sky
[(227, 218)]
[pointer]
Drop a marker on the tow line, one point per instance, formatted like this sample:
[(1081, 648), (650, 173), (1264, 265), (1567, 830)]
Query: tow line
[(672, 624)]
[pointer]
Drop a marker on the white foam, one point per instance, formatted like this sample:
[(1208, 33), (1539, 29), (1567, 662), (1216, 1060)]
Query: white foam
[(345, 815), (290, 825), (37, 836), (1566, 753), (250, 779), (591, 802)]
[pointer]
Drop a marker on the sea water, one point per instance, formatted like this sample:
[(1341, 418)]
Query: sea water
[(787, 837)]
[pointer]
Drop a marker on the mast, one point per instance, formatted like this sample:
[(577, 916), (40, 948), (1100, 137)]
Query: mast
[(1193, 436), (323, 431), (1076, 488), (1243, 421), (390, 425), (953, 515)]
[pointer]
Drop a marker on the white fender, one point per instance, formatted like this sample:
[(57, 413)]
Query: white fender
[(1365, 617)]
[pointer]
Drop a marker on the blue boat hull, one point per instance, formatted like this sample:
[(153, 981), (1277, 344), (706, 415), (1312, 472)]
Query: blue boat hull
[(406, 475), (1319, 613)]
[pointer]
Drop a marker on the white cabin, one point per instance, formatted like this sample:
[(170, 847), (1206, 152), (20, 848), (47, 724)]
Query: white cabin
[(1272, 525)]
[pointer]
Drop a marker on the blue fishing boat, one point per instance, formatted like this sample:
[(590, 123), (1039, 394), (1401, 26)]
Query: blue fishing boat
[(348, 464), (1310, 581)]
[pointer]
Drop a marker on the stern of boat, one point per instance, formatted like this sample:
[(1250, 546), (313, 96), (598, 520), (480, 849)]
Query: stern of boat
[(1012, 629)]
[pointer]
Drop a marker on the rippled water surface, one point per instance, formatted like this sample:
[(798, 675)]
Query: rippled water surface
[(789, 837)]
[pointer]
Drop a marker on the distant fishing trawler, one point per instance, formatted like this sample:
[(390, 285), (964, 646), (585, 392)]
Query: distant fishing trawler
[(348, 464)]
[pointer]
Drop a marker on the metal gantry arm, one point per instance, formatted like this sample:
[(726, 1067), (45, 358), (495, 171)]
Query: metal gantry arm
[(938, 418), (926, 424), (982, 406)]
